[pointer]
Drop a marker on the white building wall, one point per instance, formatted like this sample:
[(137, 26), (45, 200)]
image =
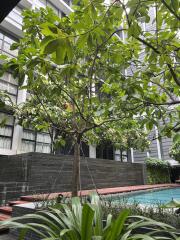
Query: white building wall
[(12, 26)]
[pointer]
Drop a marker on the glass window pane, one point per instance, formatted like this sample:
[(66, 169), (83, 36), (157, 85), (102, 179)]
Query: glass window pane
[(1, 43), (28, 135), (5, 43), (8, 40), (5, 46), (5, 77), (43, 138), (6, 131), (27, 146), (12, 89), (44, 148), (3, 86), (13, 99), (9, 118), (12, 79), (5, 143), (9, 78)]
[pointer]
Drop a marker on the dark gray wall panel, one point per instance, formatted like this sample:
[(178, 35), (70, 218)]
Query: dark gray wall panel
[(41, 173)]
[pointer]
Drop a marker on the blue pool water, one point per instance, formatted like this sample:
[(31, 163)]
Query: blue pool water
[(152, 197)]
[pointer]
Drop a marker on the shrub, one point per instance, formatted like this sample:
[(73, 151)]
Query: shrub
[(85, 222), (158, 171), (157, 213), (175, 151)]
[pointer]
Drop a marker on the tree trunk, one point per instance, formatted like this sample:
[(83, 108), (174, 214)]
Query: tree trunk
[(76, 169)]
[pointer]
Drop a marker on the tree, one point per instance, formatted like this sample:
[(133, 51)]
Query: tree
[(74, 70)]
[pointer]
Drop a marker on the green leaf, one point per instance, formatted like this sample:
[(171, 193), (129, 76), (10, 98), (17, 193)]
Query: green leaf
[(87, 222), (14, 46), (175, 5), (176, 138), (69, 50), (82, 41), (149, 125), (52, 46), (22, 234), (46, 40), (68, 234), (3, 121), (118, 225), (49, 29), (143, 237), (90, 40), (134, 30), (3, 57), (60, 54)]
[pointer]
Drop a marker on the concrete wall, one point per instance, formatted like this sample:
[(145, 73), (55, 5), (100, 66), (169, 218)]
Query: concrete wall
[(41, 173)]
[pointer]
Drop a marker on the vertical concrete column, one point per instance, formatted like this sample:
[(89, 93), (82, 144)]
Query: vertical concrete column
[(132, 155), (158, 144), (117, 155), (92, 151)]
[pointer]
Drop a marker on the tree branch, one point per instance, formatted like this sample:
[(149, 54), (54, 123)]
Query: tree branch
[(162, 104), (170, 9), (71, 98)]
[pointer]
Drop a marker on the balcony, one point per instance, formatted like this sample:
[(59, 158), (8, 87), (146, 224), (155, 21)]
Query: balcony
[(62, 5), (13, 22)]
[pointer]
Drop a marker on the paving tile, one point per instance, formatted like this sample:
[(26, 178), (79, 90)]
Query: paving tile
[(11, 203), (6, 210), (4, 217)]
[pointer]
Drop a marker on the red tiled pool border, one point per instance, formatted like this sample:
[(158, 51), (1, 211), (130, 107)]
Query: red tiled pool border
[(103, 191)]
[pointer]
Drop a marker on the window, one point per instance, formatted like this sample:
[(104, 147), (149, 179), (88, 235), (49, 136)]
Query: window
[(16, 16), (35, 142), (6, 132), (45, 3), (10, 85), (43, 143), (5, 44)]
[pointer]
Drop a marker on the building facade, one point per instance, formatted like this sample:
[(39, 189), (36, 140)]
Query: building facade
[(13, 138)]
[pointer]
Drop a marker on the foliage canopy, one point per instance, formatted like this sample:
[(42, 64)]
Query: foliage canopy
[(87, 83)]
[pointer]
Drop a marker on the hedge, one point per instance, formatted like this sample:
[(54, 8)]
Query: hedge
[(158, 171)]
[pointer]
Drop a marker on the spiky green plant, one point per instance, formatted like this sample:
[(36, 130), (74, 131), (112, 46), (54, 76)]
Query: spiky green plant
[(85, 222)]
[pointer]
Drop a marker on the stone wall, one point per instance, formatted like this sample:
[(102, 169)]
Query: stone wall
[(41, 173)]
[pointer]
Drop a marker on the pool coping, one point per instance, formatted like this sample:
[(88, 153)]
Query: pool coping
[(103, 191), (109, 197), (110, 192)]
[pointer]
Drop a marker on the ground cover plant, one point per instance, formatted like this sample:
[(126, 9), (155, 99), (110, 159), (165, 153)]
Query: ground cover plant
[(157, 213), (86, 222)]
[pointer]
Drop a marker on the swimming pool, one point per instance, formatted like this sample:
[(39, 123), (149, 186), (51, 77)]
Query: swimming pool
[(150, 197)]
